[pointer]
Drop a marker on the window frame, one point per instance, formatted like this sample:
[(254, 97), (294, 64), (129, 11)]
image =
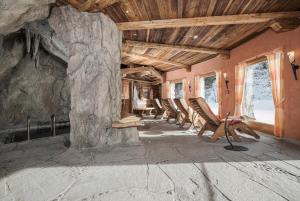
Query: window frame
[(173, 82), (203, 76), (255, 122)]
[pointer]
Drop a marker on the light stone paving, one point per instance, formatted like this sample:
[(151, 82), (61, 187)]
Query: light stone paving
[(168, 164)]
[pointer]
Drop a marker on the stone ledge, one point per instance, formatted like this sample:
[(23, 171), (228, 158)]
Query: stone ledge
[(124, 135)]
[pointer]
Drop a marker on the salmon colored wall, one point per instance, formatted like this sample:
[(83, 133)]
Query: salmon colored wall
[(264, 43)]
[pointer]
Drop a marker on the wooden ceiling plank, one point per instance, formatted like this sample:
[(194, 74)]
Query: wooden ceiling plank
[(211, 7), (153, 59), (179, 8), (138, 80), (148, 35), (106, 3), (206, 21), (176, 47), (91, 5), (150, 69)]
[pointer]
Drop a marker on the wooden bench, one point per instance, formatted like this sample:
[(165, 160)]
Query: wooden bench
[(125, 131), (118, 124)]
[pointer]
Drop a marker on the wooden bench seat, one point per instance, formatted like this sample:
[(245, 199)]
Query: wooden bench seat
[(118, 124)]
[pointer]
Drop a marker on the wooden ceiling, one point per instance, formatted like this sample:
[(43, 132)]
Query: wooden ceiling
[(182, 46)]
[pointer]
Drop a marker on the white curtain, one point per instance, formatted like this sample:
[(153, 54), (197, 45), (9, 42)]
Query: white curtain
[(138, 103)]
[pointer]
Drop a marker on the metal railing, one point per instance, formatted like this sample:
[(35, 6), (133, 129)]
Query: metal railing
[(52, 125)]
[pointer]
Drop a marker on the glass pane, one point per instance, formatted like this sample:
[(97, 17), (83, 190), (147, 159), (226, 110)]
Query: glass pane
[(208, 87), (178, 92), (258, 99)]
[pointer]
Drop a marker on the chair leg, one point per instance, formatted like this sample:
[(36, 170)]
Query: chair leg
[(246, 129), (233, 133), (218, 133), (203, 129), (156, 114), (164, 115), (182, 123), (191, 127), (168, 118), (177, 119)]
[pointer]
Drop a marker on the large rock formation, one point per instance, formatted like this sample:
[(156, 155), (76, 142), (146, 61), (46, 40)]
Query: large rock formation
[(15, 13), (12, 51), (94, 44), (30, 87), (49, 40)]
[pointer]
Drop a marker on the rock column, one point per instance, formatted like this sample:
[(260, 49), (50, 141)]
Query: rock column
[(93, 42)]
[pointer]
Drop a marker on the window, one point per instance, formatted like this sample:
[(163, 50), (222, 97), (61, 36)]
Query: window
[(146, 92), (209, 91), (177, 90), (257, 99)]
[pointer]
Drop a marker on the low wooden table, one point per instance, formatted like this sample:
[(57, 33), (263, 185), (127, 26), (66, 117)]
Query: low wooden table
[(142, 111)]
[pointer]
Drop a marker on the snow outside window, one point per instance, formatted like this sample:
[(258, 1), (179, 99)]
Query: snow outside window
[(209, 91), (177, 90), (258, 100)]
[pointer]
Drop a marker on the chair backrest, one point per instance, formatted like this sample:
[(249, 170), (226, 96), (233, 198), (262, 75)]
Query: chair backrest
[(180, 104), (167, 104), (158, 103), (202, 108)]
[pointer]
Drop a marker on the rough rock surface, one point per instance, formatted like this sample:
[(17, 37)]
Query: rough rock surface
[(12, 51), (94, 44), (14, 14), (27, 87), (49, 39), (128, 135)]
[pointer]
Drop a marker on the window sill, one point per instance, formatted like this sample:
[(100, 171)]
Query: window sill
[(262, 127)]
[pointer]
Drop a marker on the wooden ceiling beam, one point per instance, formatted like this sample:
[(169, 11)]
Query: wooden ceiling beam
[(206, 21), (176, 47), (283, 25), (90, 5), (150, 69), (154, 60), (142, 81)]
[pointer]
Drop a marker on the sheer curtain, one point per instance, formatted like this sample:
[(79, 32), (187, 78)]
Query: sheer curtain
[(219, 91), (166, 90), (275, 60), (239, 87), (184, 88), (197, 86)]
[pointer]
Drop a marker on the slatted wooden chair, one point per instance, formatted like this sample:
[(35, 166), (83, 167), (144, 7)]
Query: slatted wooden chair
[(216, 125), (170, 111), (183, 108), (159, 110)]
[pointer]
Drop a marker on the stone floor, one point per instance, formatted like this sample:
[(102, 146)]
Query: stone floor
[(168, 164)]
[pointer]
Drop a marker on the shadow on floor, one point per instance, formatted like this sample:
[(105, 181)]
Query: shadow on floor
[(174, 162)]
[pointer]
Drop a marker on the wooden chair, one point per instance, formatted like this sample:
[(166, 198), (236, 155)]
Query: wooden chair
[(158, 108), (170, 111), (216, 125), (183, 108)]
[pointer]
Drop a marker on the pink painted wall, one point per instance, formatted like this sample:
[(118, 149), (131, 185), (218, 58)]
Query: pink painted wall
[(264, 43)]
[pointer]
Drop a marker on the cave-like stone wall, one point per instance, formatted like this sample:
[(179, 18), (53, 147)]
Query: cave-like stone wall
[(38, 88), (14, 14), (94, 45)]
